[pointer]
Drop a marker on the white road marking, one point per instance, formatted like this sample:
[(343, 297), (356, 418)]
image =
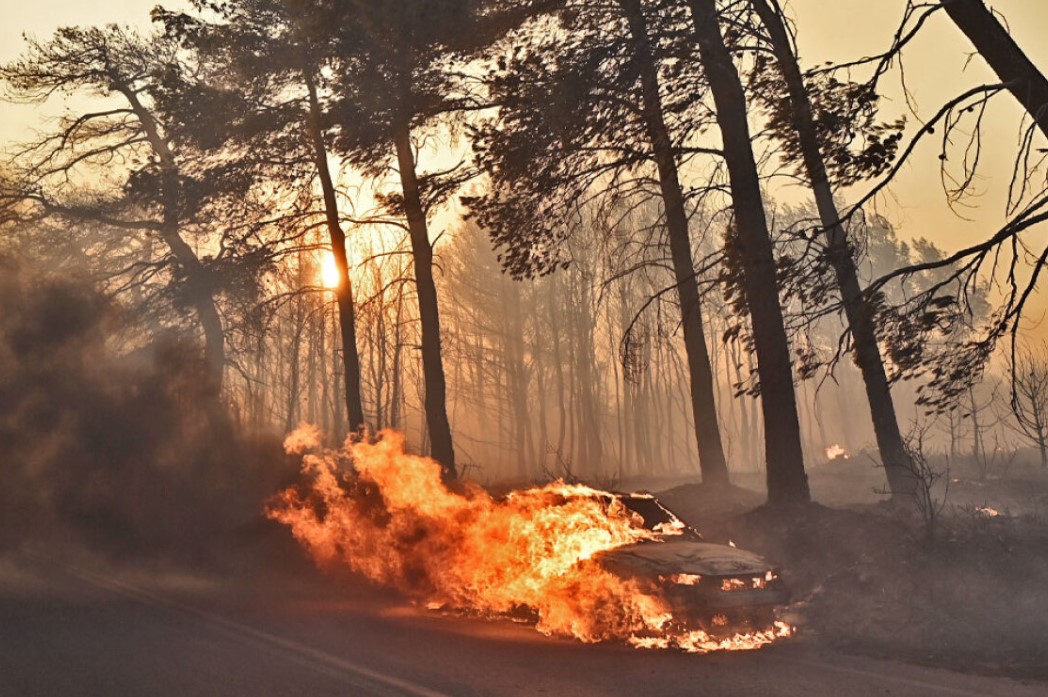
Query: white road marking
[(215, 620)]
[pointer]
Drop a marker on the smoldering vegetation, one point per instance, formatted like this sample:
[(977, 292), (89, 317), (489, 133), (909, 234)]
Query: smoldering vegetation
[(107, 444), (871, 576)]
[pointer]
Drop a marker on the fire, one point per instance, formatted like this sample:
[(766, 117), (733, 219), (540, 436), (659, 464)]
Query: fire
[(836, 452), (393, 520)]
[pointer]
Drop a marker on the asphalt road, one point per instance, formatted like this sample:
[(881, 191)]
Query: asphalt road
[(76, 631)]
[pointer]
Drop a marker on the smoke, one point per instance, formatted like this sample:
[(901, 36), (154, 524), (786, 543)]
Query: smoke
[(108, 442)]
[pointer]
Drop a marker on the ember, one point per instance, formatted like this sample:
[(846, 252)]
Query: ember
[(393, 520)]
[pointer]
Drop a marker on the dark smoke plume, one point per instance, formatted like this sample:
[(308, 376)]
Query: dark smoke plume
[(105, 442)]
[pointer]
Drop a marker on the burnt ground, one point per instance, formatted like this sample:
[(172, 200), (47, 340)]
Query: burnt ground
[(866, 579)]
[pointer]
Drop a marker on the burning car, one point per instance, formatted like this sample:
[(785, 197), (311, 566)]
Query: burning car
[(578, 562), (719, 589)]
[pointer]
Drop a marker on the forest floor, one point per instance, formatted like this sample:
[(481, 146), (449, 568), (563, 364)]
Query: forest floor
[(865, 577)]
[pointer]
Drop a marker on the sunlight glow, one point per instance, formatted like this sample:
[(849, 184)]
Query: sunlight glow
[(328, 271)]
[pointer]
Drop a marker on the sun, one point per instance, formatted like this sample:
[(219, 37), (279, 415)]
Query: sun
[(329, 271)]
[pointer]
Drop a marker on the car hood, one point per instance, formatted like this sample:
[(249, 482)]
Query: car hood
[(682, 557)]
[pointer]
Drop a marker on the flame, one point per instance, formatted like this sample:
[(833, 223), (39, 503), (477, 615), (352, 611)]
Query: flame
[(394, 521), (836, 452)]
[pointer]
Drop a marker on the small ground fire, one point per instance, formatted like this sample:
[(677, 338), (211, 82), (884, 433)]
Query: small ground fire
[(392, 519), (836, 452)]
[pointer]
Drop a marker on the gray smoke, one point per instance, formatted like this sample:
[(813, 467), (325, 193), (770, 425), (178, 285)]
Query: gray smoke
[(112, 450)]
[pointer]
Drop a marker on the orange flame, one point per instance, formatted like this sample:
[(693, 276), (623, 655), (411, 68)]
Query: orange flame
[(396, 523)]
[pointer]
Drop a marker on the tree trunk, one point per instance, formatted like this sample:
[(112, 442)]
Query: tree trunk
[(201, 291), (896, 460), (978, 454), (993, 42), (338, 417), (294, 388), (516, 372), (591, 446), (344, 291), (746, 435), (953, 434), (704, 408), (755, 417), (787, 481), (558, 363), (397, 390), (538, 358), (311, 367), (202, 298), (322, 354), (422, 254)]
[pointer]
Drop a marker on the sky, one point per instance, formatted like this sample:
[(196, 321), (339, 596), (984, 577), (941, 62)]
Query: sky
[(937, 67)]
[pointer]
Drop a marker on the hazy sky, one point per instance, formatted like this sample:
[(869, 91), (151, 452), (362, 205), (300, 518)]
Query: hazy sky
[(936, 70), (828, 30)]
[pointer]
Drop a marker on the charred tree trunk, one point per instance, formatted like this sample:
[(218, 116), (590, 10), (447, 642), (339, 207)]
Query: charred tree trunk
[(704, 408), (993, 42), (787, 481), (894, 456), (344, 291), (438, 427)]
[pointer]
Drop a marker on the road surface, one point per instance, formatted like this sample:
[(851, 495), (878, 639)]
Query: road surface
[(74, 630)]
